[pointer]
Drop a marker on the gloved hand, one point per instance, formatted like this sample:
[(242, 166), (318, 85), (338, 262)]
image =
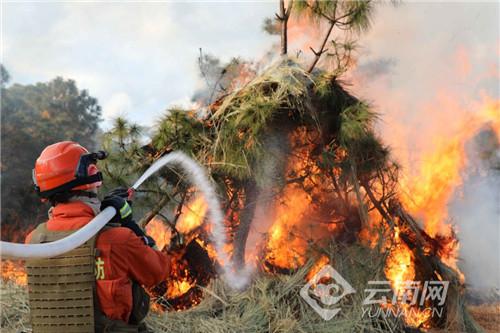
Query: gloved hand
[(124, 217), (121, 192), (123, 210)]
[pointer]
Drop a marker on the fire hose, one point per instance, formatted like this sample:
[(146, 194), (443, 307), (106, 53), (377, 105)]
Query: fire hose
[(196, 175)]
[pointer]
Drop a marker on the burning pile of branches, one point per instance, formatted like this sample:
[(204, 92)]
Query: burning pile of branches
[(301, 169), (305, 182)]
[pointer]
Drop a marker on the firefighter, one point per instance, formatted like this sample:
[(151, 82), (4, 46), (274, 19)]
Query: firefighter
[(98, 286)]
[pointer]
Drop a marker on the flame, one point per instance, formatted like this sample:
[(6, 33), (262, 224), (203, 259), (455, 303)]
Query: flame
[(160, 232), (192, 215), (14, 271), (318, 265), (177, 288), (428, 184), (490, 113), (399, 269), (209, 247), (426, 192), (286, 248), (433, 170), (296, 215)]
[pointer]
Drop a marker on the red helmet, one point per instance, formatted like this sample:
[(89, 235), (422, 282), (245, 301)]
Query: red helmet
[(66, 166)]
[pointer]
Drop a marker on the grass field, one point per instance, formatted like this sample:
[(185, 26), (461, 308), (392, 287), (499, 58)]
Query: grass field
[(269, 305)]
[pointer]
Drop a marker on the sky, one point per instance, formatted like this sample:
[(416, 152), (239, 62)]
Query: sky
[(140, 58), (136, 58), (426, 67)]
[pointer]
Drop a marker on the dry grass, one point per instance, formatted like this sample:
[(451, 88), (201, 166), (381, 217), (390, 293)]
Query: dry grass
[(270, 304), (14, 308), (487, 315)]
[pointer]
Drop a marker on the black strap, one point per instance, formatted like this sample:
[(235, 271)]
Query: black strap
[(68, 186)]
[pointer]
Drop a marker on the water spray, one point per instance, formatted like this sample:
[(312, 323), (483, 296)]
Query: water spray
[(196, 175)]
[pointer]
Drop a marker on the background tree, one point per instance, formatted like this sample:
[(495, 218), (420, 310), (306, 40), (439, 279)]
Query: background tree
[(4, 76), (349, 17), (34, 116)]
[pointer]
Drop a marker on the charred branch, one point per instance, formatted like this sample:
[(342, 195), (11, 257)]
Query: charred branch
[(377, 204)]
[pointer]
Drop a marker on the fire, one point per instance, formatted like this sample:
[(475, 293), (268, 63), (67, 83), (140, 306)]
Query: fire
[(209, 247), (399, 267), (179, 288), (399, 270), (490, 113), (160, 232), (426, 192), (297, 215), (318, 265), (192, 216), (286, 247), (299, 220), (14, 271), (192, 251)]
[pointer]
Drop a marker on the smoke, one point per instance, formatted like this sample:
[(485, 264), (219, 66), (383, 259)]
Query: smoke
[(270, 180), (429, 75), (375, 68), (477, 212)]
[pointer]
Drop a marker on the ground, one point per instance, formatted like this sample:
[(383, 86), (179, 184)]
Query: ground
[(15, 314), (488, 316)]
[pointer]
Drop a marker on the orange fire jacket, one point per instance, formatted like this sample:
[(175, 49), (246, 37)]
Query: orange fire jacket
[(122, 257)]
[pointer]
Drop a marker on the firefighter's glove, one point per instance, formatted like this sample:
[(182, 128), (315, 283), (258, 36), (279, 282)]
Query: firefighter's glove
[(124, 217), (120, 192), (123, 210)]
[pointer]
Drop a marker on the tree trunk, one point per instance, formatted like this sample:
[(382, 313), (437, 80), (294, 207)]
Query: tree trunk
[(284, 21), (148, 217), (246, 217)]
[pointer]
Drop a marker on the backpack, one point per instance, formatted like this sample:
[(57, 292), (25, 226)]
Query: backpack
[(62, 291)]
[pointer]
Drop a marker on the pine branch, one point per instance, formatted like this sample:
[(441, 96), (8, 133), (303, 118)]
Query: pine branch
[(334, 21)]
